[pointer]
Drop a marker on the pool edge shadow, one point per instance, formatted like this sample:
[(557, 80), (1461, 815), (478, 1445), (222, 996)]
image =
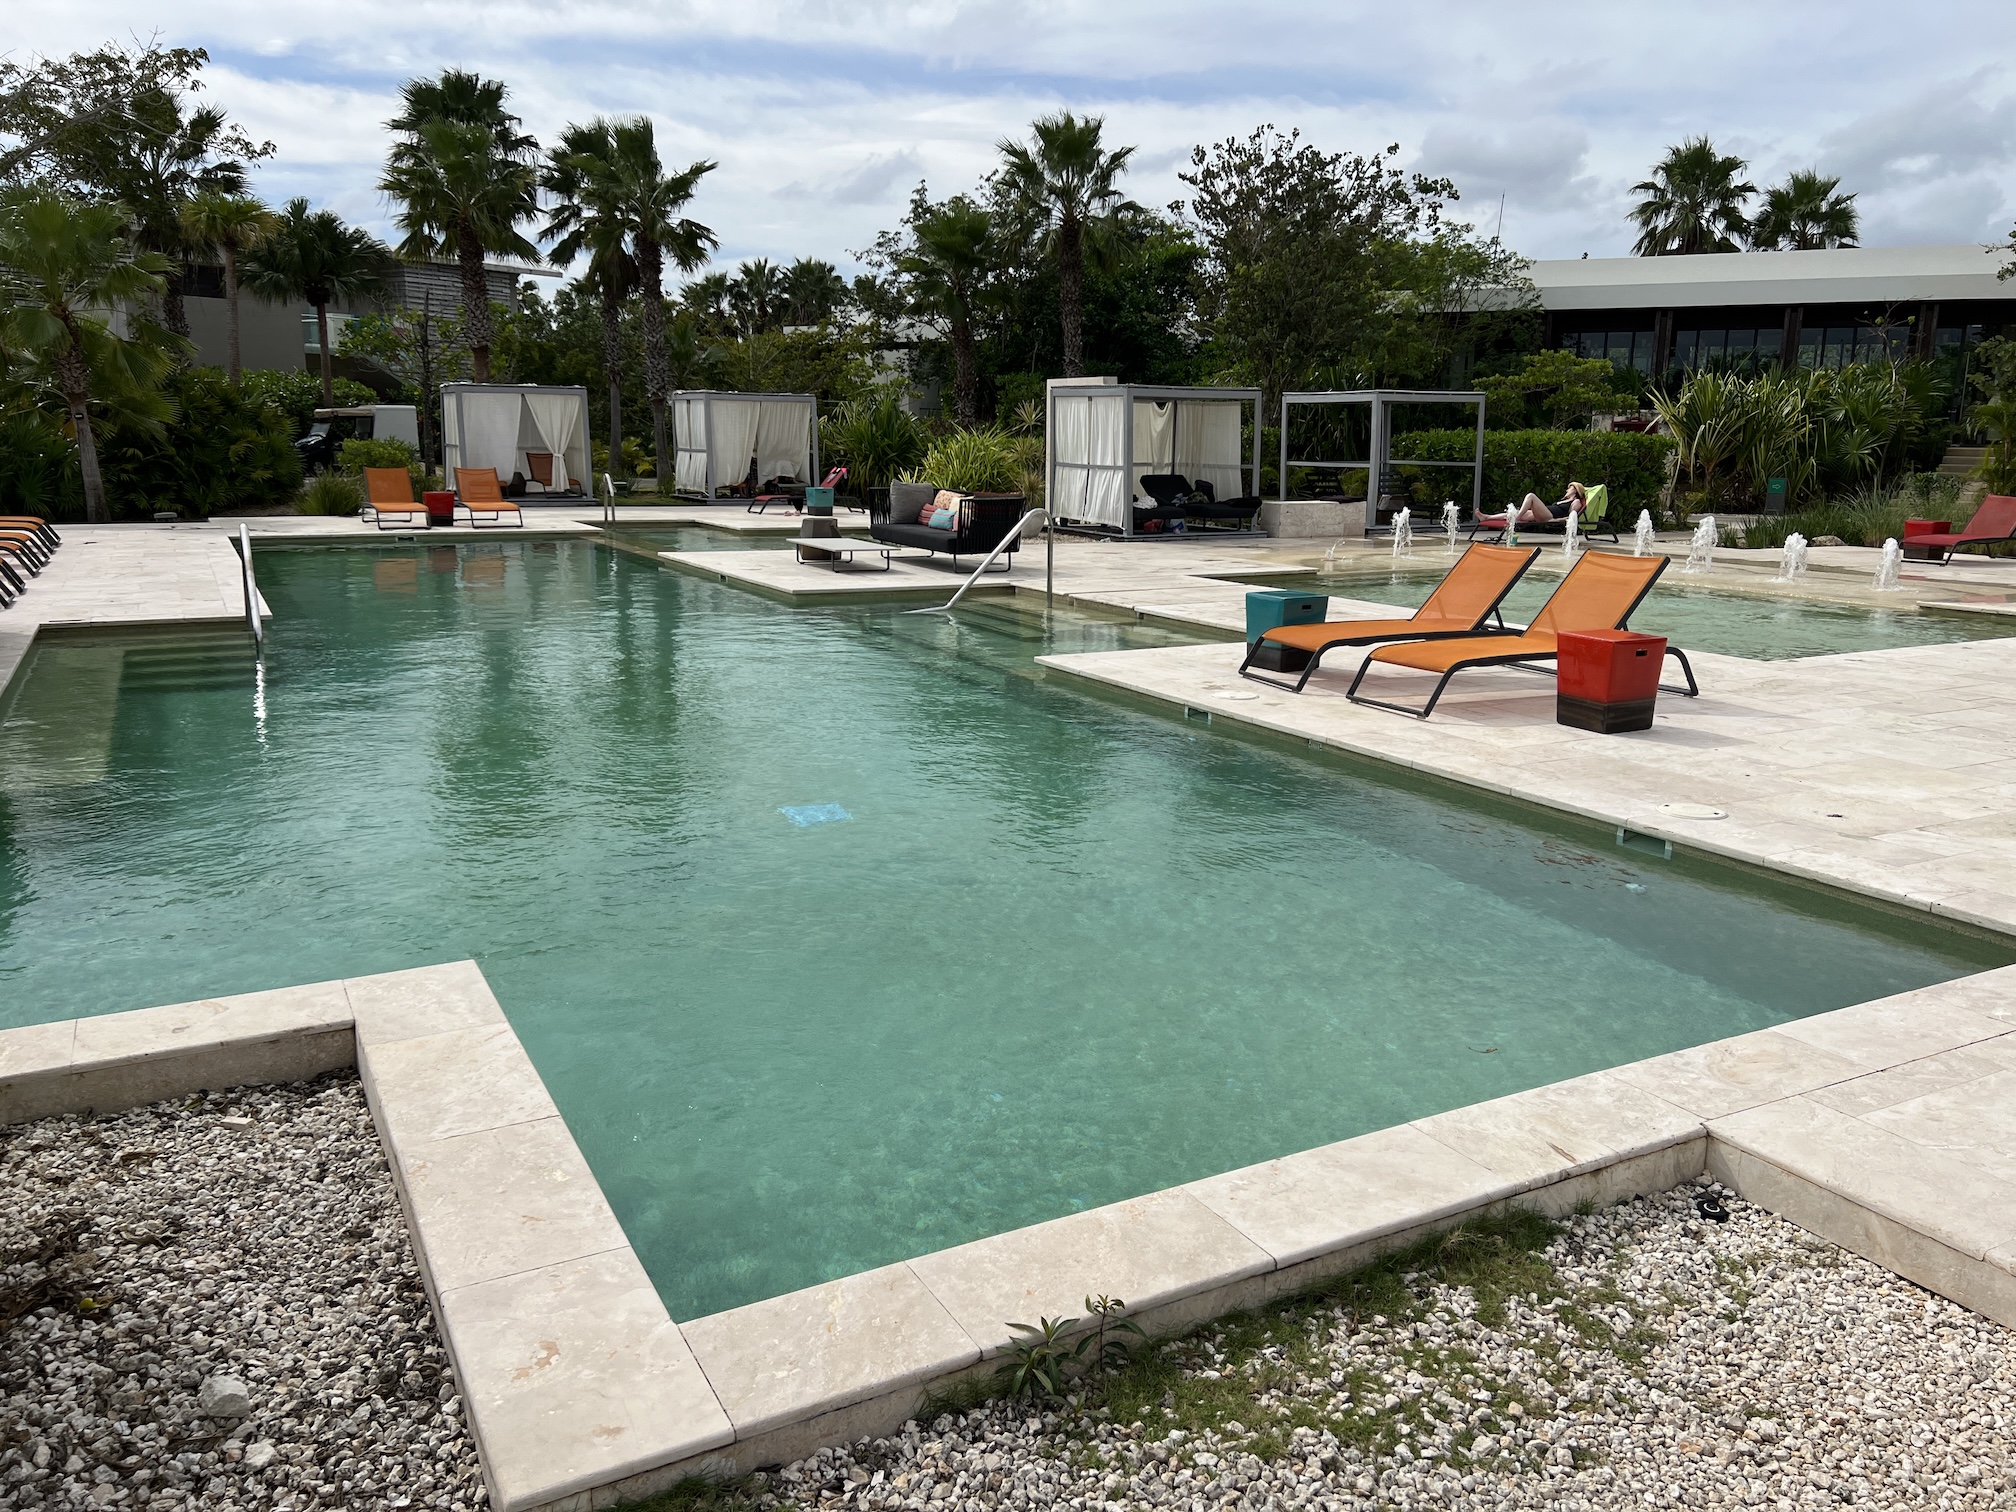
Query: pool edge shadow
[(583, 1392)]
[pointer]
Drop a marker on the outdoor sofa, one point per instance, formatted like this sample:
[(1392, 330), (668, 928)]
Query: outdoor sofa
[(977, 523)]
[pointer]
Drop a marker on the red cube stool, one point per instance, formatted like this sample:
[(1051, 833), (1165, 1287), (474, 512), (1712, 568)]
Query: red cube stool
[(440, 507), (1924, 528), (1607, 680)]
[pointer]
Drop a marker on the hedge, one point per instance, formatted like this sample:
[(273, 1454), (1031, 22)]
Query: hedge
[(1519, 462)]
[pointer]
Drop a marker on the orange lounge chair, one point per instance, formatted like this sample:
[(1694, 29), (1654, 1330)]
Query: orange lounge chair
[(390, 492), (36, 526), (1460, 605), (483, 496), (1601, 592)]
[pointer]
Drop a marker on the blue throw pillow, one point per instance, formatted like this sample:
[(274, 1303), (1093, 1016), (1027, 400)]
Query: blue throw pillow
[(942, 519)]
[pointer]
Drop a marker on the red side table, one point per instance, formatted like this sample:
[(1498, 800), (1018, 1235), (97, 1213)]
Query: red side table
[(1607, 680), (440, 508)]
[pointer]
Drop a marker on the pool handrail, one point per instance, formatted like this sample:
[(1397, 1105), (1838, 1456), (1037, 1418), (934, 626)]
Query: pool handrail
[(1049, 559), (251, 587)]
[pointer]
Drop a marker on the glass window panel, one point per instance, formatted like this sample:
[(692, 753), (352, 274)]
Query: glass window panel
[(1810, 344), (1683, 349), (1742, 343)]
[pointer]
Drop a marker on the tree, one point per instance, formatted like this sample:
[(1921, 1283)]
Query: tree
[(814, 292), (312, 256), (71, 265), (756, 295), (1692, 203), (1805, 213), (227, 224), (1068, 183), (587, 218), (946, 266), (420, 349), (465, 181), (115, 125)]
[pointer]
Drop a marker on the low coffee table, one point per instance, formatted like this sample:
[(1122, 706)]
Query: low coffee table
[(838, 553)]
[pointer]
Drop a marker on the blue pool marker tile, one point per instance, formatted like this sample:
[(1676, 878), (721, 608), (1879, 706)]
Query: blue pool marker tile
[(805, 815)]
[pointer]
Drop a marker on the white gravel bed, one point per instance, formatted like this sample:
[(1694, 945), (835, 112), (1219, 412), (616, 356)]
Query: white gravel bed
[(213, 1303), (1659, 1359)]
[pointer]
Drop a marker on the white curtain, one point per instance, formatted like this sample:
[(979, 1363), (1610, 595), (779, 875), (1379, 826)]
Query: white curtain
[(1154, 440), (489, 437), (689, 440), (1208, 445), (1070, 432), (451, 444), (732, 425), (784, 440), (554, 417)]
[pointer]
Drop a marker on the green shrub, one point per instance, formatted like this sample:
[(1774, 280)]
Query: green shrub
[(38, 468), (353, 456), (985, 459), (330, 493), (225, 450), (297, 395), (876, 438), (1517, 463), (1868, 517)]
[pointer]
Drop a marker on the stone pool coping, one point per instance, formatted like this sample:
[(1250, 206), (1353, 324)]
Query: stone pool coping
[(1889, 1127)]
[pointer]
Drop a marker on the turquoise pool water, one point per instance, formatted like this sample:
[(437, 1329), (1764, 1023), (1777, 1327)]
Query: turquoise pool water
[(1701, 619), (1059, 952)]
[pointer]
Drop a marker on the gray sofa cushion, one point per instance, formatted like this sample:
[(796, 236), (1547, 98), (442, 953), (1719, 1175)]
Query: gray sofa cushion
[(907, 500)]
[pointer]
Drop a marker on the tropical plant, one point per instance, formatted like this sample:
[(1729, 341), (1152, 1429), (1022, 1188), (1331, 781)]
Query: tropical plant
[(418, 348), (756, 295), (465, 180), (814, 291), (587, 219), (225, 451), (227, 224), (312, 256), (1048, 1357), (1554, 388), (1067, 181), (1693, 202), (875, 437), (38, 466), (1519, 462), (1993, 417), (985, 459), (1806, 213), (295, 395), (330, 493), (71, 266), (360, 452), (952, 251)]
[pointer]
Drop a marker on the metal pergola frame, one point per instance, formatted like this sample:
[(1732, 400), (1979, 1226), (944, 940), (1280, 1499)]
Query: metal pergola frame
[(1381, 402), (1129, 392), (810, 401)]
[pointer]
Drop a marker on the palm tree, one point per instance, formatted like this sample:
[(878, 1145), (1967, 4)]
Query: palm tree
[(951, 254), (465, 180), (586, 219), (1069, 182), (710, 300), (1692, 203), (1804, 214), (814, 291), (312, 256), (228, 224), (70, 264), (652, 199), (756, 294)]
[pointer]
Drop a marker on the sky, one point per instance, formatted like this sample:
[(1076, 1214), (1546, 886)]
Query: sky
[(823, 115)]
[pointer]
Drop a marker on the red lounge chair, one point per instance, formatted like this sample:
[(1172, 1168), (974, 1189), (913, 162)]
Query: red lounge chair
[(1994, 521)]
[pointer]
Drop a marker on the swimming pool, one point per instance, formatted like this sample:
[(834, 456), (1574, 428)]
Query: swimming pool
[(1764, 628), (1060, 951)]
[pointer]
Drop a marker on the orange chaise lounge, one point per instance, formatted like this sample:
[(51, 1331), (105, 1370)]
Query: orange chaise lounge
[(389, 491), (1462, 604), (1600, 592), (483, 496)]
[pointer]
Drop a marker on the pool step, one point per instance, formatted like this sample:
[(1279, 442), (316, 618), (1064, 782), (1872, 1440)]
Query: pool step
[(188, 665)]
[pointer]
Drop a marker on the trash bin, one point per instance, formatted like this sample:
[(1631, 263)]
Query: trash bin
[(818, 501), (440, 506), (1270, 609), (1607, 680)]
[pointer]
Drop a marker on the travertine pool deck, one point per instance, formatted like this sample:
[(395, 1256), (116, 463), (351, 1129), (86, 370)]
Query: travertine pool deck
[(1889, 1128)]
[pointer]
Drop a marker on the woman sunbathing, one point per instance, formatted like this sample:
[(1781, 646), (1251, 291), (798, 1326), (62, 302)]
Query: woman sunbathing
[(1533, 512)]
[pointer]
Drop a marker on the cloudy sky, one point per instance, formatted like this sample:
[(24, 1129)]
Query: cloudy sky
[(823, 114)]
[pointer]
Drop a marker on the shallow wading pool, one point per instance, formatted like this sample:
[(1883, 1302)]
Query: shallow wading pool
[(1057, 952)]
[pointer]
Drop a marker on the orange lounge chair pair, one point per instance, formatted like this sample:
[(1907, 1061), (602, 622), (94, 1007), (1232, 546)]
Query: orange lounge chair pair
[(1463, 603), (483, 496), (27, 542), (1600, 592)]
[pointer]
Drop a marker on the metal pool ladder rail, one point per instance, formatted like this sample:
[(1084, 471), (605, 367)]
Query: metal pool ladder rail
[(608, 499), (251, 587), (1049, 562)]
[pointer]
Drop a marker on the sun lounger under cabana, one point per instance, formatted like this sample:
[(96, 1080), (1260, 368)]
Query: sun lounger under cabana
[(1600, 592), (740, 442), (389, 498), (528, 432), (1464, 603), (1994, 521), (478, 492), (1133, 460)]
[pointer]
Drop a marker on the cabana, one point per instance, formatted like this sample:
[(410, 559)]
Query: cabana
[(535, 434), (717, 435), (1104, 437), (1379, 462)]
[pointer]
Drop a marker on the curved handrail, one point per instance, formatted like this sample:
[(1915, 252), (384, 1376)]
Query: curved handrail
[(251, 586), (985, 562)]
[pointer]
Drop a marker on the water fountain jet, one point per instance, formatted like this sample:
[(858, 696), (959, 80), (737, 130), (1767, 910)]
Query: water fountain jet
[(1701, 550), (1641, 543), (1886, 569)]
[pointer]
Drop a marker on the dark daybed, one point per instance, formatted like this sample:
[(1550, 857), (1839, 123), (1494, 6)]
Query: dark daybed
[(1177, 498), (977, 525)]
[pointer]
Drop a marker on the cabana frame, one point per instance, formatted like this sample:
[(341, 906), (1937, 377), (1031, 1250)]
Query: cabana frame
[(700, 433), (1070, 499), (1380, 402), (473, 434)]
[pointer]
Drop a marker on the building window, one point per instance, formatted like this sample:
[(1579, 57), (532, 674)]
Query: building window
[(1627, 349)]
